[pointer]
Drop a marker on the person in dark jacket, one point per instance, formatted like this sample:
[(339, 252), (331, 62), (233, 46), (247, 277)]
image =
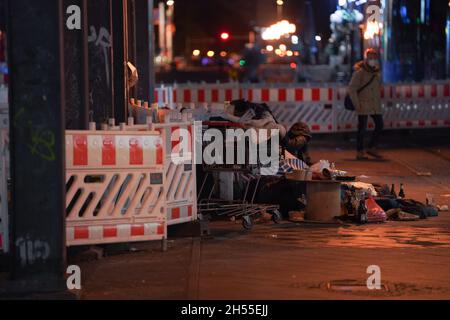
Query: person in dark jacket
[(296, 142)]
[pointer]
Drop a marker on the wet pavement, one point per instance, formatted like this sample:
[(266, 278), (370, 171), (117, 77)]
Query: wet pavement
[(301, 260)]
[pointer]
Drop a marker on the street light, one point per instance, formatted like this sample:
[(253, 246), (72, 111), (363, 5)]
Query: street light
[(210, 53), (196, 53), (224, 36), (170, 3)]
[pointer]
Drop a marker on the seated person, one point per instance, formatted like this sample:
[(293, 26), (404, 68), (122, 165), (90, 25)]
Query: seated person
[(296, 142)]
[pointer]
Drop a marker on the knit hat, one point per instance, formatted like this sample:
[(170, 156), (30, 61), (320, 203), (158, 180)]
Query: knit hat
[(301, 129)]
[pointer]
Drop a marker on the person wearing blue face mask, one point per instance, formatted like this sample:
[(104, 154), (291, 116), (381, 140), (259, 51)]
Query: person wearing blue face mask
[(365, 92)]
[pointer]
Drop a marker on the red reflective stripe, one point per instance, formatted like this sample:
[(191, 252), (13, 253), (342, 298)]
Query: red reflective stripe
[(80, 150), (81, 233), (137, 230), (250, 94), (421, 91), (187, 95), (409, 123), (282, 95), (190, 211), (110, 232), (228, 95), (434, 122), (265, 95), (434, 90), (136, 151), (447, 90), (421, 123), (108, 151), (175, 213), (215, 95), (315, 127), (175, 95), (298, 94), (160, 229), (201, 95), (176, 141), (408, 91), (315, 94), (330, 94), (155, 96)]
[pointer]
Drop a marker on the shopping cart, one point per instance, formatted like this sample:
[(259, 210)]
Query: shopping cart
[(247, 173)]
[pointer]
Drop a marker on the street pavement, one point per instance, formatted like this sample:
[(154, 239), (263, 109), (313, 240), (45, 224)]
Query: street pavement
[(304, 260)]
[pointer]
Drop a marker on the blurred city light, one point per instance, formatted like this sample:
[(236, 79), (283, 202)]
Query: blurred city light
[(283, 47), (280, 2), (318, 38), (223, 54), (289, 53), (170, 3), (269, 48), (277, 30), (294, 39), (196, 53), (210, 53), (372, 30)]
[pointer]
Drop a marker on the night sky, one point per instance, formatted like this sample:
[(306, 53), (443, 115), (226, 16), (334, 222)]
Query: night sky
[(207, 18)]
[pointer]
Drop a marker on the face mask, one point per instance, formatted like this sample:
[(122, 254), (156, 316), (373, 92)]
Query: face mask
[(372, 63)]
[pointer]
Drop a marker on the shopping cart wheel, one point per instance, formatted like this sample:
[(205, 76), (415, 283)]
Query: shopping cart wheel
[(276, 216), (247, 222)]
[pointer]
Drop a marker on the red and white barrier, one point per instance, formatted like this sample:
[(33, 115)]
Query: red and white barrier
[(179, 169), (405, 106), (181, 187), (106, 149), (115, 187)]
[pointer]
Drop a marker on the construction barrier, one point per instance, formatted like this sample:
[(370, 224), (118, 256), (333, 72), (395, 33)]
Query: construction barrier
[(180, 175), (405, 106), (115, 187), (181, 186)]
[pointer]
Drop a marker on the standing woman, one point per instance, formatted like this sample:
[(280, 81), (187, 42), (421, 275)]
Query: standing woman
[(365, 92)]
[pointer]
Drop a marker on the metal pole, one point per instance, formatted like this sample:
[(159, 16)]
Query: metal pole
[(119, 60), (151, 47), (85, 108), (37, 104)]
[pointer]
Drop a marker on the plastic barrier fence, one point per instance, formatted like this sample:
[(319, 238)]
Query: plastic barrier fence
[(180, 176), (115, 187), (404, 107), (181, 187)]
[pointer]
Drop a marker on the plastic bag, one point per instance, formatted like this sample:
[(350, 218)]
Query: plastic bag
[(374, 212)]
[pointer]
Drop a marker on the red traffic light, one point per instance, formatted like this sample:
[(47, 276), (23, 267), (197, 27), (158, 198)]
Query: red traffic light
[(224, 36)]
